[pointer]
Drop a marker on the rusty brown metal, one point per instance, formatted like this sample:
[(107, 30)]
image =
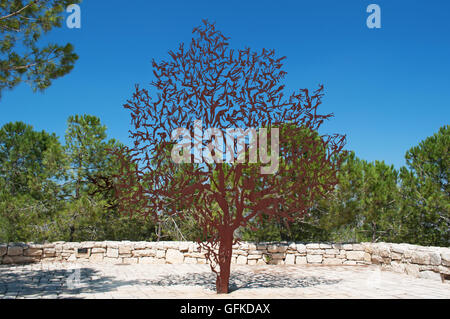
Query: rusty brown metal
[(224, 88)]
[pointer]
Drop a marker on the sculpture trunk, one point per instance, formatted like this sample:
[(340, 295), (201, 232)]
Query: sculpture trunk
[(225, 253)]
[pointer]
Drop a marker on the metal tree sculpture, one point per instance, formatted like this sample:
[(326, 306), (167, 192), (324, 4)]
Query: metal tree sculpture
[(211, 85)]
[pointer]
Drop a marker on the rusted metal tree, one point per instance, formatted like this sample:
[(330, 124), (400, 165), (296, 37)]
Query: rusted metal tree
[(210, 85)]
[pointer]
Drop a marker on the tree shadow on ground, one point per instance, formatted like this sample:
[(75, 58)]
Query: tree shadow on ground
[(69, 283), (52, 283), (241, 280)]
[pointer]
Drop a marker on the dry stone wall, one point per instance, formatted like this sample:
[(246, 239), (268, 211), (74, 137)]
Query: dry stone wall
[(419, 261)]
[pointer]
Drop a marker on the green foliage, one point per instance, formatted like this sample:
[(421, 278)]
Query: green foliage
[(30, 196), (50, 191), (89, 194), (54, 192), (303, 228), (363, 206), (426, 193), (22, 55)]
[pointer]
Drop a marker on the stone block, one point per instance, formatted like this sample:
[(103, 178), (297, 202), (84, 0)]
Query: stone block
[(314, 259), (160, 253), (276, 248), (368, 247), (412, 270), (243, 246), (444, 270), (398, 266), (398, 248), (332, 261), (241, 260), (312, 246), (262, 247), (112, 252), (251, 262), (420, 257), (171, 245), (300, 260), (98, 250), (332, 251), (278, 256), (382, 250), (87, 244), (355, 255), (99, 244), (435, 258), (144, 253), (301, 248), (277, 262), (34, 252), (241, 252), (15, 259), (342, 254), (51, 252), (290, 259), (184, 247), (3, 249), (261, 262), (427, 274), (445, 258), (396, 256), (112, 244), (377, 260), (173, 256), (198, 255), (140, 245), (53, 245), (429, 267), (15, 251), (315, 251), (125, 249)]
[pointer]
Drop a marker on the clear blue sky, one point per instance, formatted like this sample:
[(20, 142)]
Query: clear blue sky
[(389, 88)]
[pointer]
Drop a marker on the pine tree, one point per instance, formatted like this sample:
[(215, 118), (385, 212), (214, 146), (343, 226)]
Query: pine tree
[(22, 55)]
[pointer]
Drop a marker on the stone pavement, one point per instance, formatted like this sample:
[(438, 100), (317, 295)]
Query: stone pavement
[(93, 281)]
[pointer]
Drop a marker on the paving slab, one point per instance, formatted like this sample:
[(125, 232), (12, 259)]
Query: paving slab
[(109, 281)]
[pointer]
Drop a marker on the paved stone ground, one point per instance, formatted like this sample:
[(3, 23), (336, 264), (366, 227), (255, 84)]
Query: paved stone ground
[(69, 280)]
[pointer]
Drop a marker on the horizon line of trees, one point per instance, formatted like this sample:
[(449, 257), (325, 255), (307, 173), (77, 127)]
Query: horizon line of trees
[(52, 191)]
